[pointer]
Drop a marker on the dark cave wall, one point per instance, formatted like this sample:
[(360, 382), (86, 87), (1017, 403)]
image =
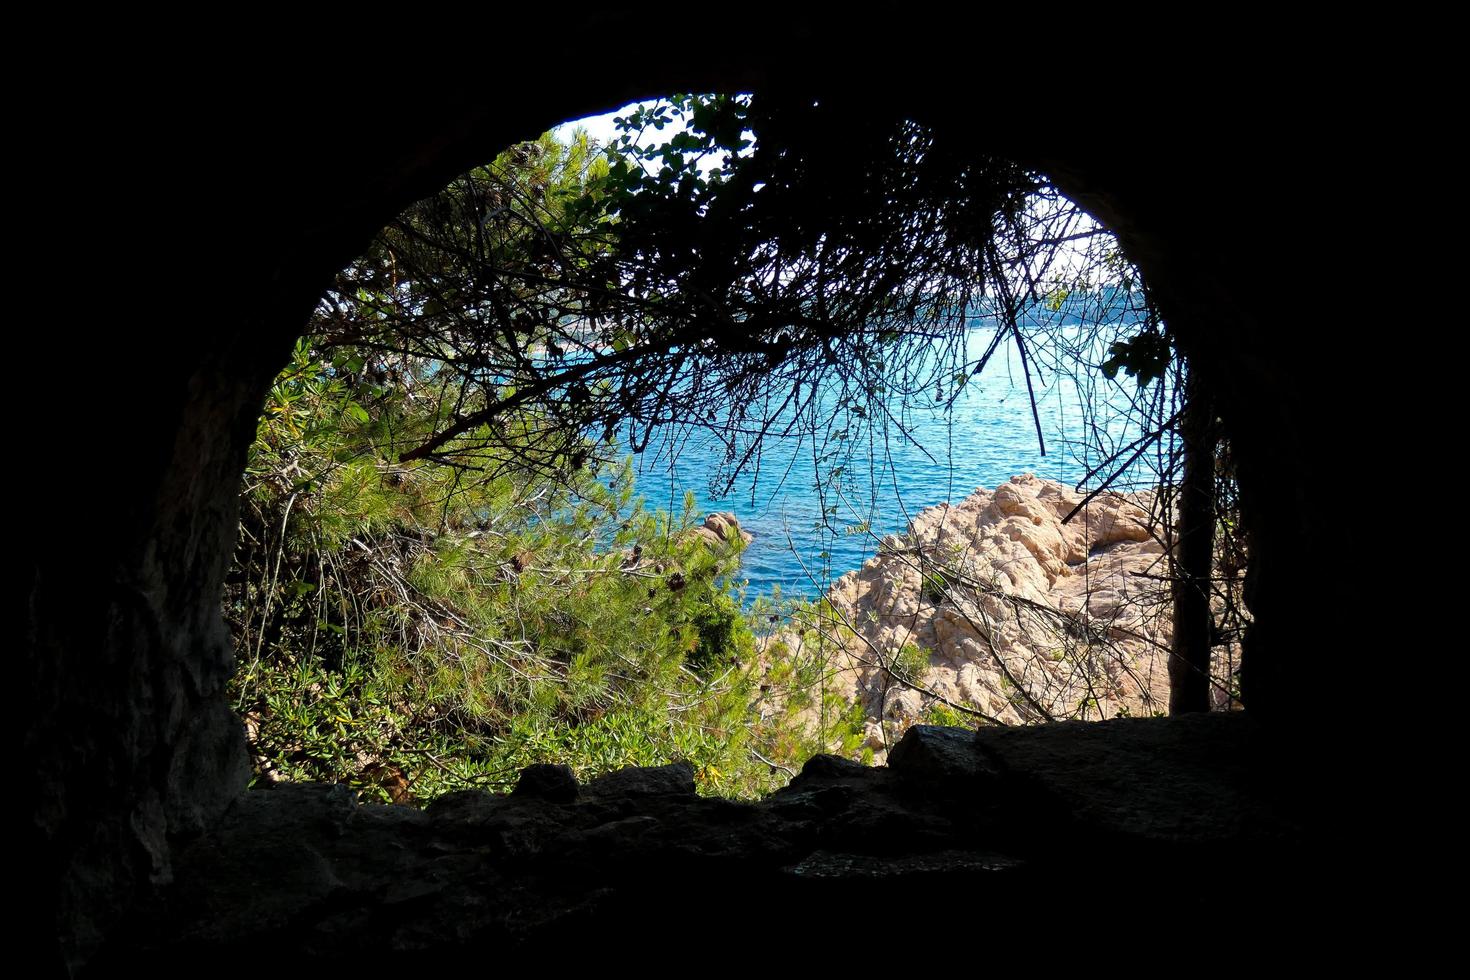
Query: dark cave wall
[(128, 740), (1243, 316)]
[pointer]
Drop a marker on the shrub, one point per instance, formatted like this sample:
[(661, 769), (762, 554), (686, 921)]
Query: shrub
[(408, 631), (911, 663), (935, 587)]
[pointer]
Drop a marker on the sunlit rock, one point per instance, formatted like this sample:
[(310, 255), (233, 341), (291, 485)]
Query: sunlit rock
[(719, 529), (1023, 617)]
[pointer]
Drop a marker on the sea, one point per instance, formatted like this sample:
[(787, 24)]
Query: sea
[(813, 521)]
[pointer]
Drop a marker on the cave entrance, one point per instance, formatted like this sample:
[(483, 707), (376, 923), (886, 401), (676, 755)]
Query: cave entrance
[(447, 572), (130, 741)]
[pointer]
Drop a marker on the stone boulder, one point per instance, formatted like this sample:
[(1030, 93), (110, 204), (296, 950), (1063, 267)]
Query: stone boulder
[(1148, 826), (719, 529), (1022, 617)]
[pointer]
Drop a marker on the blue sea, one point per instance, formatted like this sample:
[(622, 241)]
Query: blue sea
[(811, 526)]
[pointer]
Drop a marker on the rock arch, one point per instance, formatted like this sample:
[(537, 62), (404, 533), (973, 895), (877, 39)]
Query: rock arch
[(248, 209)]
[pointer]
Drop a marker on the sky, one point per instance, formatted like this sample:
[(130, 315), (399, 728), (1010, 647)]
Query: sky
[(599, 128)]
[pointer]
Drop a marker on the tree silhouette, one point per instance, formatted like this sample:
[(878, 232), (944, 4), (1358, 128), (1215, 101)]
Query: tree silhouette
[(769, 263)]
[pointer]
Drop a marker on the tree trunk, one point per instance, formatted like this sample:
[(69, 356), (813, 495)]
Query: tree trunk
[(1194, 547)]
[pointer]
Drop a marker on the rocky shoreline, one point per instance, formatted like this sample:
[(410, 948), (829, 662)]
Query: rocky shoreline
[(994, 610)]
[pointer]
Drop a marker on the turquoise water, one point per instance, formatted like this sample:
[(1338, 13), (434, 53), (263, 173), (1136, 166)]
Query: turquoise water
[(988, 437)]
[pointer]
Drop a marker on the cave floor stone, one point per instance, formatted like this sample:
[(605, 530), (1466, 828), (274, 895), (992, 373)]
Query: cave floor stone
[(1123, 832)]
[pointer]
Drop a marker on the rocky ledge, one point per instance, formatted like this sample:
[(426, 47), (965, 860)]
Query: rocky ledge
[(1134, 833), (1024, 604)]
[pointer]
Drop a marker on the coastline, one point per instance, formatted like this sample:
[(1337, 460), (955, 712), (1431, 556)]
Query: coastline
[(993, 611)]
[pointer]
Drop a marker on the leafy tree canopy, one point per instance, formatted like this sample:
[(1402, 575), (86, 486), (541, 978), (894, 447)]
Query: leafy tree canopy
[(444, 575), (770, 245), (408, 632)]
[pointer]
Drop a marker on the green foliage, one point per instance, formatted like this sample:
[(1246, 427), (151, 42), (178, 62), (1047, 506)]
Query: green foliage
[(444, 572), (724, 635), (1145, 357), (940, 713), (408, 629), (935, 587), (910, 663)]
